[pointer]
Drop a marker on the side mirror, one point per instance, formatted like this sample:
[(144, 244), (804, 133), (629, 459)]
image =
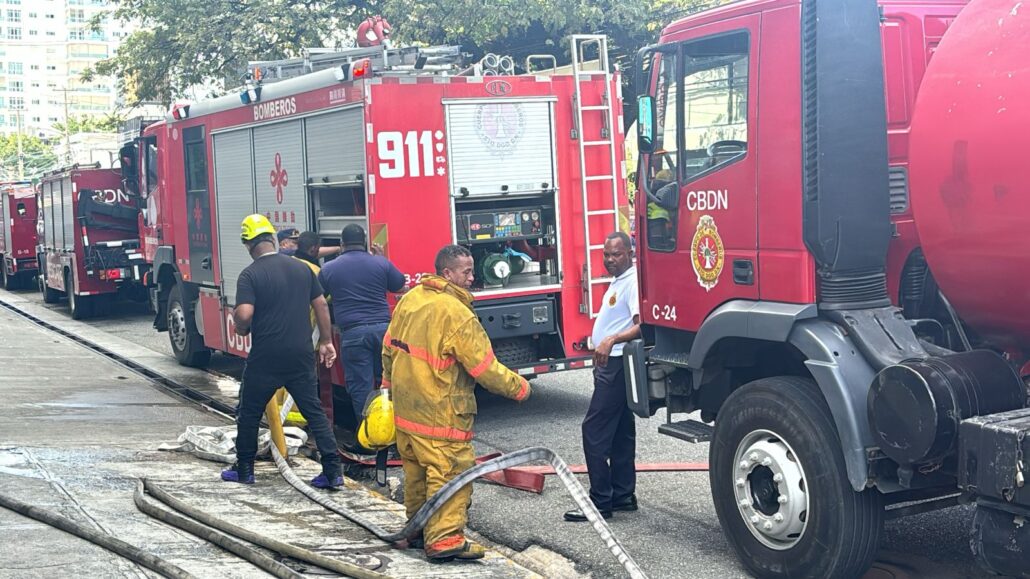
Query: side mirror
[(645, 124)]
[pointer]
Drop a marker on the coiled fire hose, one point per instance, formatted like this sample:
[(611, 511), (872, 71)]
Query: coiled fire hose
[(416, 524), (116, 546), (292, 551)]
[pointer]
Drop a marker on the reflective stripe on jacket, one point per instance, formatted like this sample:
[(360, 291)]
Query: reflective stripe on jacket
[(434, 353)]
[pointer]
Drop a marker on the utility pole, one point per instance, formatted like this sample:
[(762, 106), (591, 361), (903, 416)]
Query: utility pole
[(21, 159), (67, 128)]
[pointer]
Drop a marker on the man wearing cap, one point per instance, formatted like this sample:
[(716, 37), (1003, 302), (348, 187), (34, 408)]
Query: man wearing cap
[(288, 239), (357, 282), (273, 296)]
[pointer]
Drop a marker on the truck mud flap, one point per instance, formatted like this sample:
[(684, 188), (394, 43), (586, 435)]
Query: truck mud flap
[(635, 359)]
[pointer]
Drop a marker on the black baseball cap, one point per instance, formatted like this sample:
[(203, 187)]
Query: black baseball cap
[(287, 234)]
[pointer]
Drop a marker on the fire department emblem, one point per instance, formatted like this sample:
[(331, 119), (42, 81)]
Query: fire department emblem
[(707, 253), (279, 178), (500, 126)]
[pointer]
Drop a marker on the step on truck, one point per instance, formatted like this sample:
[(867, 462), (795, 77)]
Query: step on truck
[(421, 150), (17, 234), (89, 247), (833, 269)]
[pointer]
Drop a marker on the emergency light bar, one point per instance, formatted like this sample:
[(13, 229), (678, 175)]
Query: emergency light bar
[(180, 112), (354, 70)]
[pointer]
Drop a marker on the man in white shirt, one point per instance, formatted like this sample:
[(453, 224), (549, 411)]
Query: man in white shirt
[(609, 434)]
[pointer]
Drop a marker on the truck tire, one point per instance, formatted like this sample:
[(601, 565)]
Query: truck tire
[(781, 488), (81, 307), (187, 343), (50, 295)]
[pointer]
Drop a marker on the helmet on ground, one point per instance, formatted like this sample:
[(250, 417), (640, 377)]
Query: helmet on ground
[(255, 225), (377, 430)]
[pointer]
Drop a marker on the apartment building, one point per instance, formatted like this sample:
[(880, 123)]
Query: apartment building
[(44, 47)]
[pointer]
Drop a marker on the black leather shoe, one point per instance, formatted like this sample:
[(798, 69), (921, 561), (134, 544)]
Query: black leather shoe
[(577, 516), (627, 504)]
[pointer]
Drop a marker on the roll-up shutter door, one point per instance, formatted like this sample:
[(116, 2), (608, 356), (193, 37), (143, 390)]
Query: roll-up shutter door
[(279, 174), (68, 213), (499, 147), (234, 193), (335, 146)]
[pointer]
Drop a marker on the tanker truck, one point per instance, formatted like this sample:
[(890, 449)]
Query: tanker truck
[(833, 270)]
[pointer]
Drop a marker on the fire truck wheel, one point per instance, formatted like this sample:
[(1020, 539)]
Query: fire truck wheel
[(781, 488), (81, 307), (50, 295), (187, 343)]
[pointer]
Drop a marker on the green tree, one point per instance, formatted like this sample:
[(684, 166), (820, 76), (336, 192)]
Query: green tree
[(183, 43), (89, 124), (36, 155)]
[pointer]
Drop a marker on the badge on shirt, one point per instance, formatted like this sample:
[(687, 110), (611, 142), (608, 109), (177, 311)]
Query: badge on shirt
[(611, 300)]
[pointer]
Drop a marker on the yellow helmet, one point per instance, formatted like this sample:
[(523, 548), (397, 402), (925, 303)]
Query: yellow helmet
[(377, 430), (254, 225)]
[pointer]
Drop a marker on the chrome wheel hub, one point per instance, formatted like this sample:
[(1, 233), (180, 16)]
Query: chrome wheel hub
[(177, 327), (770, 489)]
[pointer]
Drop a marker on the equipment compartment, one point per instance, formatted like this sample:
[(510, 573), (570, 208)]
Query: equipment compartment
[(993, 456)]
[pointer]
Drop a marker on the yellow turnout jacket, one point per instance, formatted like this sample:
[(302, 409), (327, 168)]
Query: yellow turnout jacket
[(434, 353)]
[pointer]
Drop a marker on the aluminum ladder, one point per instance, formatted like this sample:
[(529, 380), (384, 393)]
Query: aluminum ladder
[(581, 42)]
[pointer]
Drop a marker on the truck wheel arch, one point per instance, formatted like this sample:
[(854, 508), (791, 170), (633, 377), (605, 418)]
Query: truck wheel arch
[(832, 360)]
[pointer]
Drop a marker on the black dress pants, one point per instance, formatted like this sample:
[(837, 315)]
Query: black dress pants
[(609, 437)]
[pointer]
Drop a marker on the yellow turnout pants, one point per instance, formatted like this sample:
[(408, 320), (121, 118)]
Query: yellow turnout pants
[(428, 465)]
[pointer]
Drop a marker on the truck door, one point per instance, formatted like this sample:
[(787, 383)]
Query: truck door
[(697, 201), (198, 205)]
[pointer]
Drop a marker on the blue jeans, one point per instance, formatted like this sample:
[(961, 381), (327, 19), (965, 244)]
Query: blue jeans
[(361, 352)]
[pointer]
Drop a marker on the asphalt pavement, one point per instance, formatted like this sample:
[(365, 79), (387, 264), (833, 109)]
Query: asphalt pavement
[(674, 534)]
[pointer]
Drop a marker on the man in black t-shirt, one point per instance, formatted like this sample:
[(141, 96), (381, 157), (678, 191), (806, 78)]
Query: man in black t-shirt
[(273, 297)]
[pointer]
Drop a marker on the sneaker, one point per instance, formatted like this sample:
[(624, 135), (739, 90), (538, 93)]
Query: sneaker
[(468, 551), (324, 482), (239, 473)]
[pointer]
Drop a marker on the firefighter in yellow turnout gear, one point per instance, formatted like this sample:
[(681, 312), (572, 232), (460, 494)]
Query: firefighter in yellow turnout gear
[(434, 353)]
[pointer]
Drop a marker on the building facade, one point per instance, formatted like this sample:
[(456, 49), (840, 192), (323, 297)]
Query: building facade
[(45, 45)]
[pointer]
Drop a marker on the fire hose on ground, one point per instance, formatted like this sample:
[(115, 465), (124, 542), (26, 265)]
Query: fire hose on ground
[(285, 549), (116, 546), (416, 524)]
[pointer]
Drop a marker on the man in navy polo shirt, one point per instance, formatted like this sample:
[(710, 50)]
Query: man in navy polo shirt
[(358, 282)]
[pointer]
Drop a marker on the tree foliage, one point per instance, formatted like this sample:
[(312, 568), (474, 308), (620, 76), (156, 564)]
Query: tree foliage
[(181, 44), (88, 124), (36, 155)]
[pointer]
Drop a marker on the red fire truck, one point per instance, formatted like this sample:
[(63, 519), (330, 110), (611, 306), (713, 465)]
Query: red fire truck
[(833, 268), (17, 234), (524, 170), (89, 244)]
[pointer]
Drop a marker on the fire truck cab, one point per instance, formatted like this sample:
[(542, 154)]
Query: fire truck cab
[(421, 151), (17, 234), (785, 294)]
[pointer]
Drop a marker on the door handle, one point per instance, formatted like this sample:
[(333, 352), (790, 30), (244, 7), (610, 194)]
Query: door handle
[(743, 272)]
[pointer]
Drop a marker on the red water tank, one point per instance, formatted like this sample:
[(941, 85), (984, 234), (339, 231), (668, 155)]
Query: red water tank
[(970, 168)]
